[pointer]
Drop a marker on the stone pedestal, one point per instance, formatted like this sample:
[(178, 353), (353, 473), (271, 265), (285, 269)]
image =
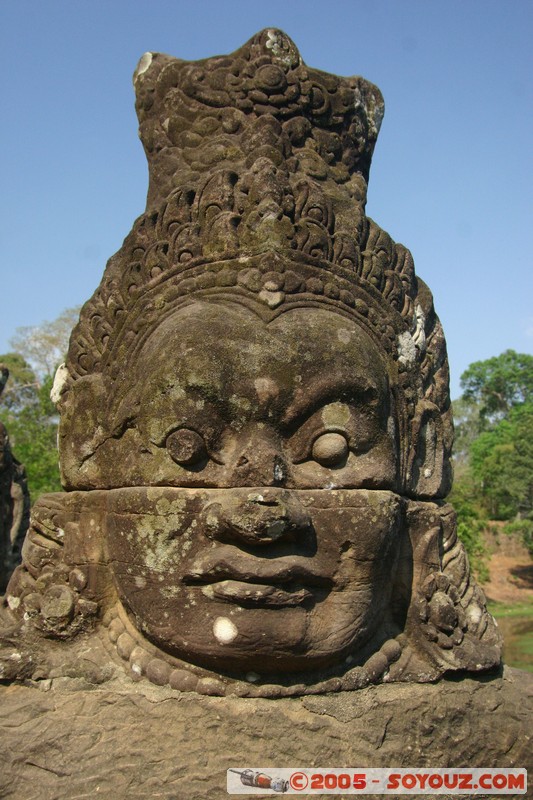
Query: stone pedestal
[(120, 741)]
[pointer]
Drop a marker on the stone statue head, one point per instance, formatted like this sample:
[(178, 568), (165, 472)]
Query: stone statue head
[(255, 420)]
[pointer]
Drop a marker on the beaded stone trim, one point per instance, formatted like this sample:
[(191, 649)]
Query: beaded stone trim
[(143, 660)]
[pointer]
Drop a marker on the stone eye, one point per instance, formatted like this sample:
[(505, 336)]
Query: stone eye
[(186, 447), (330, 449)]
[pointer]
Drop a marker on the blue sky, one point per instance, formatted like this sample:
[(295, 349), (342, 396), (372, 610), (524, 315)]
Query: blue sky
[(452, 171)]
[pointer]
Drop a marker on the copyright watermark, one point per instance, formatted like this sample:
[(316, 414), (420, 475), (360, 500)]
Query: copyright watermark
[(257, 781)]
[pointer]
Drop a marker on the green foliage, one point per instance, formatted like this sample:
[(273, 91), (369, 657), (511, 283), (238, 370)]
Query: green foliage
[(471, 522), (494, 438), (498, 384), (502, 464), (467, 428), (524, 527), (25, 406), (32, 429), (21, 384)]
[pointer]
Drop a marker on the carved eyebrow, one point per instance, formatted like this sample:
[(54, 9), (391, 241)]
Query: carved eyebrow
[(346, 390), (208, 392), (184, 413)]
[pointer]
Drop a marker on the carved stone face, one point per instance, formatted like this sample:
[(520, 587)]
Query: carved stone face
[(273, 555), (255, 424)]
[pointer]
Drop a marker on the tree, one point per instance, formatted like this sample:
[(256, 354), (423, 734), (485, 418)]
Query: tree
[(467, 428), (20, 385), (498, 384), (25, 406), (32, 429), (500, 391), (502, 465), (44, 346), (471, 521), (493, 448)]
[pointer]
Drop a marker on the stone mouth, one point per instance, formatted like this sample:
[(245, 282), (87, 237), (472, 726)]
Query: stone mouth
[(251, 594), (288, 573)]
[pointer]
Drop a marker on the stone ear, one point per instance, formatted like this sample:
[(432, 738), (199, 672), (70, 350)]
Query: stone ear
[(428, 470), (447, 626), (84, 412)]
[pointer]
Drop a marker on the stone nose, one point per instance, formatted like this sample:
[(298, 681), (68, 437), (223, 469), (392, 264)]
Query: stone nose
[(259, 518), (258, 460)]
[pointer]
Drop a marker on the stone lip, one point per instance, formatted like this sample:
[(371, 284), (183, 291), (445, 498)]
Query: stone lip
[(76, 738), (229, 564)]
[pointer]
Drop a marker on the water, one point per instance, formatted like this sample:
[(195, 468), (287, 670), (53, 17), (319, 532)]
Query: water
[(518, 641)]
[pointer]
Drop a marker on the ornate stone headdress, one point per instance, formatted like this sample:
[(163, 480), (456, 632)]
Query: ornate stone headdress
[(258, 177)]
